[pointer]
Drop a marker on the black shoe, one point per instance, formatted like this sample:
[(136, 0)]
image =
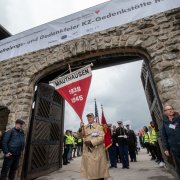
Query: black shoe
[(68, 162), (127, 167), (64, 163), (112, 166), (157, 160)]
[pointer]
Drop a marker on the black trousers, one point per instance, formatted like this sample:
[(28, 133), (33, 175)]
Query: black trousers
[(10, 166), (177, 160), (152, 151), (147, 146), (158, 151), (118, 156), (79, 149), (132, 155), (65, 155), (74, 152), (112, 155)]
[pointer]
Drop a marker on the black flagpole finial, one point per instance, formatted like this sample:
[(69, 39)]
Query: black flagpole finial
[(101, 106)]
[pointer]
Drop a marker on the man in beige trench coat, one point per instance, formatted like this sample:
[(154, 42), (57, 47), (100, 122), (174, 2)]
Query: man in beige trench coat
[(94, 163)]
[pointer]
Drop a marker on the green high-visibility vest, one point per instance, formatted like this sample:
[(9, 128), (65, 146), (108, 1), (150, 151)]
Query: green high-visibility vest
[(68, 139), (79, 140), (72, 140), (146, 137), (154, 136)]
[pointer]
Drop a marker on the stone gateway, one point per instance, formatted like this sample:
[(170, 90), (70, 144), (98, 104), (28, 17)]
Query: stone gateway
[(156, 39)]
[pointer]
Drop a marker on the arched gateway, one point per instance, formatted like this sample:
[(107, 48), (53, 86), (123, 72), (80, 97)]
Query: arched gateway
[(156, 39)]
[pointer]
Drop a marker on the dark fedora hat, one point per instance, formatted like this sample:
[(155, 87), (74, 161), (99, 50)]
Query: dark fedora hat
[(20, 121)]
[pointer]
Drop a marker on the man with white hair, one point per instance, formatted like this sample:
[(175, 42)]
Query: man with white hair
[(94, 163)]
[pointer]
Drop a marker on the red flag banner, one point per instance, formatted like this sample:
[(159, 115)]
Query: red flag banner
[(107, 137), (74, 88)]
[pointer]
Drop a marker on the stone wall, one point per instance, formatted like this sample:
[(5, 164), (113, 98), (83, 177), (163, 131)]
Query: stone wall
[(155, 38)]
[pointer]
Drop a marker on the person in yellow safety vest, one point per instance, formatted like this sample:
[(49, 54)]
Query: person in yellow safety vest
[(71, 139), (153, 135), (146, 139), (152, 142), (147, 142), (79, 146), (155, 144), (67, 142), (74, 144)]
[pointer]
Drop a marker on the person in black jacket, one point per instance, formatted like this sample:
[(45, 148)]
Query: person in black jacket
[(66, 147), (132, 143), (12, 146), (171, 134), (121, 137), (118, 156)]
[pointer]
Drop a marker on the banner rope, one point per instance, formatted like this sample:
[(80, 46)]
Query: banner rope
[(62, 74)]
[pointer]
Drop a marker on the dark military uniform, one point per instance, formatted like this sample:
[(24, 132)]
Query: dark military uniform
[(121, 137)]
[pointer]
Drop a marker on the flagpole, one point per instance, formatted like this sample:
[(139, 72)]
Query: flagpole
[(96, 112), (106, 150), (102, 107), (102, 112)]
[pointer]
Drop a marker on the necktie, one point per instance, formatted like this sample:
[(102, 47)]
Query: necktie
[(90, 126)]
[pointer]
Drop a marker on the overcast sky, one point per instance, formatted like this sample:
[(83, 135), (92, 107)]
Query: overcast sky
[(118, 88)]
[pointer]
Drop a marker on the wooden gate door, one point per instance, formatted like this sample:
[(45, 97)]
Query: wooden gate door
[(44, 147), (154, 103)]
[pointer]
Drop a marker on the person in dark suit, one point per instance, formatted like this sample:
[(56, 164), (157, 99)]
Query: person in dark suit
[(118, 156), (112, 149), (132, 143), (121, 138)]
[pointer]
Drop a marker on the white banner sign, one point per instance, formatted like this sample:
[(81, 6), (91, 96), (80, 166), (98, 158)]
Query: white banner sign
[(97, 18)]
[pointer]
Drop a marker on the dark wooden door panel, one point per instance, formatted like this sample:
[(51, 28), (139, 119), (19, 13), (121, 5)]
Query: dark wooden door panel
[(44, 151)]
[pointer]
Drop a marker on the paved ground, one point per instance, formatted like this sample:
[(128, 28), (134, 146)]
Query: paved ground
[(144, 169)]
